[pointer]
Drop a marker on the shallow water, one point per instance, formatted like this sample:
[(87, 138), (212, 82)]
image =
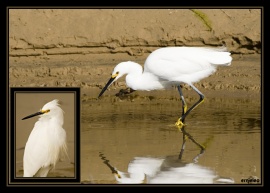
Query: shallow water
[(114, 132)]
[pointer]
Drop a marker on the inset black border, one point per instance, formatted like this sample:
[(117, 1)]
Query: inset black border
[(12, 179)]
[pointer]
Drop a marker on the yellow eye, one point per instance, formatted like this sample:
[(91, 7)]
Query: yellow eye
[(115, 75), (45, 111)]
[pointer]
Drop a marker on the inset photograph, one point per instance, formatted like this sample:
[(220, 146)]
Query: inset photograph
[(44, 134)]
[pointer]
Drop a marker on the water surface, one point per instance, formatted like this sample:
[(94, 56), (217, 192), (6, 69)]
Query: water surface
[(121, 130)]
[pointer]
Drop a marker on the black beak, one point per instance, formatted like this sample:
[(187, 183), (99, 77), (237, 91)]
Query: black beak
[(106, 86), (33, 115)]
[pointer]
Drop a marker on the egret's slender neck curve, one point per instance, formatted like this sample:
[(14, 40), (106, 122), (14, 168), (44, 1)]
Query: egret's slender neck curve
[(137, 79)]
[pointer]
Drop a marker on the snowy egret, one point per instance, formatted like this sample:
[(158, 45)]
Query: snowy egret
[(150, 170), (170, 66), (47, 141), (140, 169)]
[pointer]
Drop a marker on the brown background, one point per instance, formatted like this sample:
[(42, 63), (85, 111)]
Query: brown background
[(80, 47), (44, 32), (30, 102)]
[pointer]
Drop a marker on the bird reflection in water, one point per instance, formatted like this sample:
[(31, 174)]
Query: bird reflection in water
[(167, 170), (124, 94)]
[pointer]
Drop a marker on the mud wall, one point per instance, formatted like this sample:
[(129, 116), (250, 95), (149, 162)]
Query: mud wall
[(37, 32)]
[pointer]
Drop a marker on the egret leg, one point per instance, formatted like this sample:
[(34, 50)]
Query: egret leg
[(192, 139), (186, 136), (184, 104), (181, 125), (184, 109), (179, 122), (196, 158)]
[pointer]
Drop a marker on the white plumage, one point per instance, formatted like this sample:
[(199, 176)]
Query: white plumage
[(148, 170), (170, 66), (46, 142)]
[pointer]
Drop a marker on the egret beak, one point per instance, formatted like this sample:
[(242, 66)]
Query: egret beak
[(107, 85), (36, 114)]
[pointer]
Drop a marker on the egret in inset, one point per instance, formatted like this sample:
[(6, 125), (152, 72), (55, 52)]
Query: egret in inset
[(47, 141), (170, 66)]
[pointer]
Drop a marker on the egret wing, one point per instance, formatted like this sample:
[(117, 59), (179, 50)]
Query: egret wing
[(185, 63), (36, 150)]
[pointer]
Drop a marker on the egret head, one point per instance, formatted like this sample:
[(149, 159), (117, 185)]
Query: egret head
[(49, 109), (119, 70)]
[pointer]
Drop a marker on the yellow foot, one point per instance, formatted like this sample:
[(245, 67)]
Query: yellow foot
[(179, 124)]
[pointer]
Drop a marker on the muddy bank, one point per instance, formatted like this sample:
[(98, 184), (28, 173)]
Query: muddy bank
[(242, 78), (42, 32), (80, 47)]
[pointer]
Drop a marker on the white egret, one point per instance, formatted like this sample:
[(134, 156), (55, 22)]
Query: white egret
[(169, 66), (47, 141), (148, 170), (140, 169)]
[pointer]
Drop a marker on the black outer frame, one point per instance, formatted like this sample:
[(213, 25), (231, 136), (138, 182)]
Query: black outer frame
[(11, 138)]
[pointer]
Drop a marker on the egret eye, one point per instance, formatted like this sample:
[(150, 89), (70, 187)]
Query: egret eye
[(45, 111), (115, 73)]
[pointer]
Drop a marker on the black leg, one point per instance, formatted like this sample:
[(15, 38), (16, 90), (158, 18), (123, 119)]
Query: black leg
[(180, 121), (183, 146), (195, 159), (184, 109), (184, 104), (186, 136)]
